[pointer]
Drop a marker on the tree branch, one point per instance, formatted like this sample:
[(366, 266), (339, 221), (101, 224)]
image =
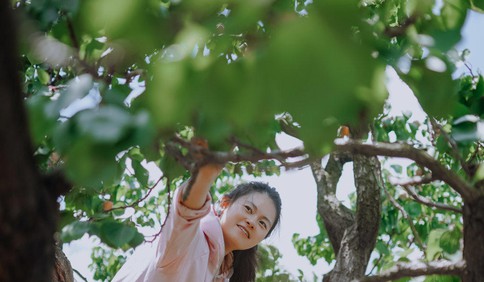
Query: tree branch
[(408, 218), (406, 151), (418, 269), (139, 200), (80, 275), (168, 181), (72, 33), (368, 181), (336, 217), (419, 181), (401, 29), (453, 146), (199, 153)]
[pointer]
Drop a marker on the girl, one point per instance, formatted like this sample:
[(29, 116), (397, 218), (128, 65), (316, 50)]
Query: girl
[(199, 244)]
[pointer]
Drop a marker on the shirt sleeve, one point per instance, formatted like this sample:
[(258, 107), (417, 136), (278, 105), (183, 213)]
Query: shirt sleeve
[(181, 229)]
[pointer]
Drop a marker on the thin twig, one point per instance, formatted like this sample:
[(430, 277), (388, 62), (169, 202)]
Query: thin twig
[(140, 200), (168, 181), (79, 274), (466, 64), (381, 256), (72, 33), (453, 146), (420, 181), (239, 143), (407, 217)]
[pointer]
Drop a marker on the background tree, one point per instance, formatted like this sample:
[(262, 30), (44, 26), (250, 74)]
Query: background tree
[(111, 86)]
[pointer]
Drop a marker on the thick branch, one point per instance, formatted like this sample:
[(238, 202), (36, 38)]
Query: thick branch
[(336, 217), (406, 151), (368, 181), (200, 153), (418, 269), (359, 239)]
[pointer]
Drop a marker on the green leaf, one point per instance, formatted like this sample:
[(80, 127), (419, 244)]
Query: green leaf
[(171, 168), (68, 5), (397, 168), (116, 234), (466, 129), (91, 165), (106, 125), (382, 248), (43, 76), (333, 96), (479, 173), (76, 89), (117, 95), (414, 209), (435, 89), (41, 121), (134, 28), (478, 5), (433, 244), (446, 27), (166, 97), (450, 241), (454, 13), (93, 50), (140, 172), (66, 217), (137, 240), (74, 231)]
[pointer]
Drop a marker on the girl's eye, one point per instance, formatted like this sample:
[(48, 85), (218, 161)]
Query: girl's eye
[(263, 224), (247, 208)]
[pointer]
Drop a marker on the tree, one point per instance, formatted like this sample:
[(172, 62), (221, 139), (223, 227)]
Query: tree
[(233, 75)]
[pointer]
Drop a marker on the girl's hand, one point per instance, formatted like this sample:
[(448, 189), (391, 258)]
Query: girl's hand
[(210, 171)]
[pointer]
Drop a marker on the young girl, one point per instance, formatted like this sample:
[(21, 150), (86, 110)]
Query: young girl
[(199, 244)]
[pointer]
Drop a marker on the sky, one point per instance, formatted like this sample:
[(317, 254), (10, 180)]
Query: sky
[(297, 187)]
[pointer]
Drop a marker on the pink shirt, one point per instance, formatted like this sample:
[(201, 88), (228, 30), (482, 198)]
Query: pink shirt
[(190, 248)]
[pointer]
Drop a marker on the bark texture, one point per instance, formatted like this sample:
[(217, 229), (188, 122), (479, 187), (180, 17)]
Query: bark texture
[(352, 234), (474, 240), (62, 268), (28, 210)]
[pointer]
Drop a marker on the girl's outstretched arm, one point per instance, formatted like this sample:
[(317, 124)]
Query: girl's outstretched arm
[(200, 185)]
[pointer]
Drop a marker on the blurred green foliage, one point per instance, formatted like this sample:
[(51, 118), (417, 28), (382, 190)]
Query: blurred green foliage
[(108, 82)]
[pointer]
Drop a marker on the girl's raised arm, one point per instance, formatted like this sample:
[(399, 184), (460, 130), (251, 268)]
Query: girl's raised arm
[(199, 186)]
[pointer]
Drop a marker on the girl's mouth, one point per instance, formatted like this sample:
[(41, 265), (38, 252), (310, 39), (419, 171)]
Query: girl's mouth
[(244, 230)]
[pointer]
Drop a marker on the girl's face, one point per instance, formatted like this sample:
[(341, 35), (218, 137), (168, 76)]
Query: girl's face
[(247, 221)]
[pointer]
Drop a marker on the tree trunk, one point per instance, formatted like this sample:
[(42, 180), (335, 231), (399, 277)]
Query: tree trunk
[(62, 269), (352, 234), (359, 240), (27, 210), (474, 240)]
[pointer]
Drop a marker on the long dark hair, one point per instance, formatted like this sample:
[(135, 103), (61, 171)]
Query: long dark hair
[(245, 261)]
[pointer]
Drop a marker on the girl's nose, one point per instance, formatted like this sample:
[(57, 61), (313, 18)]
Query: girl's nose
[(250, 224)]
